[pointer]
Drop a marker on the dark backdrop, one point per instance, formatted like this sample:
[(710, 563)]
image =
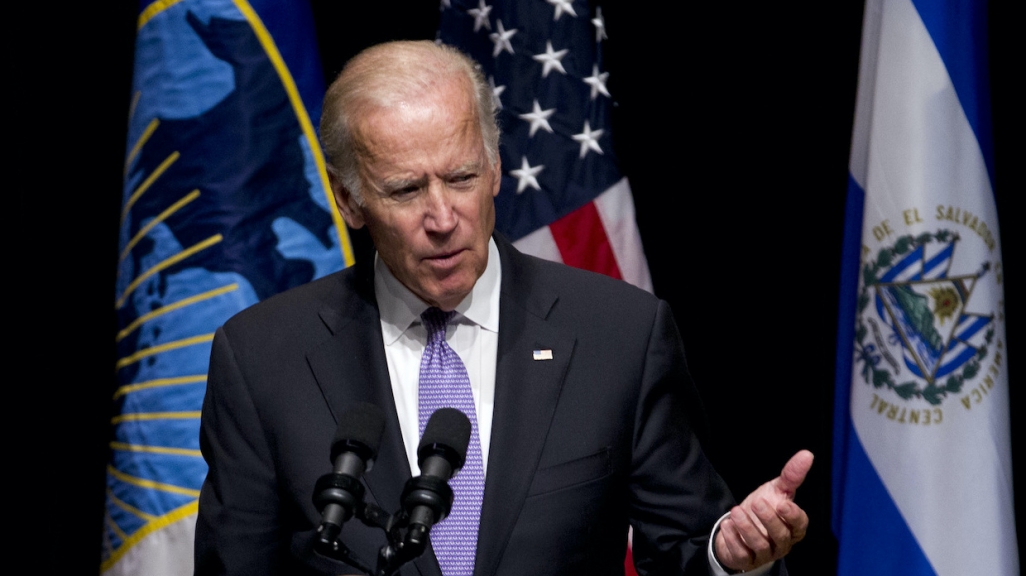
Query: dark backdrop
[(733, 125)]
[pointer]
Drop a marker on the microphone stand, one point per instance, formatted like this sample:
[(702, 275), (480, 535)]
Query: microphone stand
[(429, 498), (426, 499)]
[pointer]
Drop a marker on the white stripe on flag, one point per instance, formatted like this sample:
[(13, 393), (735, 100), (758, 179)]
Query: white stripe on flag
[(540, 243), (616, 209)]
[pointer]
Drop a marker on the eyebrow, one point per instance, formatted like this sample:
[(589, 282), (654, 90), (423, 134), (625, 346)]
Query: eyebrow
[(399, 183), (395, 184), (472, 166)]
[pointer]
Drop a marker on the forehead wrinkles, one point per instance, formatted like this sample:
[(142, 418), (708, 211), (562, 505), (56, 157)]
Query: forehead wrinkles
[(418, 97), (413, 130)]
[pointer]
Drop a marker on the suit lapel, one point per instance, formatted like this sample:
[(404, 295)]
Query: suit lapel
[(350, 367), (526, 393)]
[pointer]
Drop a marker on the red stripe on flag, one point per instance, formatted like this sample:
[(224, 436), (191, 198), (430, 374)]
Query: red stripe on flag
[(583, 243), (628, 564)]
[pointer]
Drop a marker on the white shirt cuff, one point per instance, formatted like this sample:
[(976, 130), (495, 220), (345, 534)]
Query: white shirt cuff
[(715, 569)]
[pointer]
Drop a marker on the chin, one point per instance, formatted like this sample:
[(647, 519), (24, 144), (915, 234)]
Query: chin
[(449, 295)]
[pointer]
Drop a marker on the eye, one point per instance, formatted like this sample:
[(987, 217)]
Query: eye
[(405, 192), (463, 179)]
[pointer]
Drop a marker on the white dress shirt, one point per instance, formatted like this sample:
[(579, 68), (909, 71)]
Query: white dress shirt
[(473, 335)]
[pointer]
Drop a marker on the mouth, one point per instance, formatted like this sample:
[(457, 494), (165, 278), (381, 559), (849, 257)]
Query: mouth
[(444, 259)]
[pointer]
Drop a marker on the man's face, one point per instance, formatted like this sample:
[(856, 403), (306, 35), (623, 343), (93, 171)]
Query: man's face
[(428, 191)]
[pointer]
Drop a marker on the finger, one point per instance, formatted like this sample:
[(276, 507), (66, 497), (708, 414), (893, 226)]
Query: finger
[(777, 530), (746, 518), (733, 553), (794, 472), (753, 535), (796, 518)]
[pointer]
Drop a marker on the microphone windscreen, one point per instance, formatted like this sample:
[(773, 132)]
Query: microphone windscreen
[(359, 430), (446, 427)]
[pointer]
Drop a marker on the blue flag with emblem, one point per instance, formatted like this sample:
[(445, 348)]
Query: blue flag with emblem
[(922, 465), (225, 203)]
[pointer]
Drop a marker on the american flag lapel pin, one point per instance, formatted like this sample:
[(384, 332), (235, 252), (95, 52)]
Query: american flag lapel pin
[(543, 354)]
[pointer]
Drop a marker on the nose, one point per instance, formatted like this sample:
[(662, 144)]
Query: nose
[(440, 216)]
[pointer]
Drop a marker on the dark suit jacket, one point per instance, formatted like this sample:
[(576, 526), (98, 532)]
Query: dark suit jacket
[(581, 445)]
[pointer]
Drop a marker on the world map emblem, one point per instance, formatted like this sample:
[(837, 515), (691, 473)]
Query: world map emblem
[(917, 331)]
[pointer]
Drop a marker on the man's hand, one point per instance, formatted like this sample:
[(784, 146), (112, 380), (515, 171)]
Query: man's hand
[(765, 526)]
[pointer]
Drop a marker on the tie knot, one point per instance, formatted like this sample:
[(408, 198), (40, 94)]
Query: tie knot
[(435, 320)]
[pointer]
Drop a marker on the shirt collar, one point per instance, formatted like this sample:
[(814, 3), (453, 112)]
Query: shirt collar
[(400, 308)]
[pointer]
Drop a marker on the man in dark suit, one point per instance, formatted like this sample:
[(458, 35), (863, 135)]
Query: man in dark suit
[(580, 391)]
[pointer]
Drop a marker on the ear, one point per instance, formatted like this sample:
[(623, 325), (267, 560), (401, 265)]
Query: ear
[(351, 211), (497, 172)]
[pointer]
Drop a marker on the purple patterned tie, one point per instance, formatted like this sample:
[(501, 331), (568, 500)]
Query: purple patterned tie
[(444, 383)]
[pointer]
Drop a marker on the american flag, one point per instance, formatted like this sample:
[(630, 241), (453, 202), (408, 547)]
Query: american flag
[(563, 197)]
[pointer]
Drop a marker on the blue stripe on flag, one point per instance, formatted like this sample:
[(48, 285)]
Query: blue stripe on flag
[(958, 29), (973, 328), (910, 363), (850, 252), (956, 362), (941, 257), (876, 539), (903, 265), (962, 292)]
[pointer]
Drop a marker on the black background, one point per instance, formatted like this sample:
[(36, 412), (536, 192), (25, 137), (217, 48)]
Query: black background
[(733, 125)]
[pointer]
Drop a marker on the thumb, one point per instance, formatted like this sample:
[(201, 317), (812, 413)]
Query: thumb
[(794, 472)]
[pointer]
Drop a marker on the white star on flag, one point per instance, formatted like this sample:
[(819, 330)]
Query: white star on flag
[(496, 92), (588, 139), (526, 175), (600, 25), (551, 59), (480, 15), (444, 4), (562, 6), (597, 82), (538, 118), (501, 39), (578, 211)]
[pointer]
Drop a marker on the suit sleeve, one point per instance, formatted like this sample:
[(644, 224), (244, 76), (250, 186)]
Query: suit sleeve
[(237, 528), (676, 495)]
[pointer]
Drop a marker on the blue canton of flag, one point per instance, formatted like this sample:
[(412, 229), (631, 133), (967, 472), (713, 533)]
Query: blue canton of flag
[(225, 202), (922, 465), (563, 196)]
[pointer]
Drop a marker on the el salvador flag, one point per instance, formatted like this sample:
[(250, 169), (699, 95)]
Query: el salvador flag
[(922, 466)]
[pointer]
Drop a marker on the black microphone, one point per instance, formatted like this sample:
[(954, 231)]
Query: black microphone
[(442, 451), (337, 495)]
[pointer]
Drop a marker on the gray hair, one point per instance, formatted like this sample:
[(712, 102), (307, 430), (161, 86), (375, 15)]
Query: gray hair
[(383, 75)]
